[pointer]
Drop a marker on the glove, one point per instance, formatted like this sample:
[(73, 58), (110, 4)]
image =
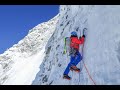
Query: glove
[(84, 36)]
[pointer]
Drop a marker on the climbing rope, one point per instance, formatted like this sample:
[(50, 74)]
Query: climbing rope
[(89, 73), (87, 69)]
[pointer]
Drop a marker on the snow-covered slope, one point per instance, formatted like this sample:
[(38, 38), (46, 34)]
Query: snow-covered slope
[(101, 48), (20, 63), (38, 59)]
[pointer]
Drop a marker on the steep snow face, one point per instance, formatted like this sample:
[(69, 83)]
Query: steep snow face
[(20, 63), (101, 48)]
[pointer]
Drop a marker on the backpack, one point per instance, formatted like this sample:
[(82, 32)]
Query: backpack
[(67, 48)]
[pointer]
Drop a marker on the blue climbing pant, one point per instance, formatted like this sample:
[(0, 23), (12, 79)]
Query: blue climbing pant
[(74, 60)]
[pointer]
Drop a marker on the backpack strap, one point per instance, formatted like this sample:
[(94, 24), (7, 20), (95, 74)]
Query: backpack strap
[(64, 52)]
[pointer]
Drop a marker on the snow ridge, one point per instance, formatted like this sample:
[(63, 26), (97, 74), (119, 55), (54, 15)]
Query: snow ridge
[(21, 55)]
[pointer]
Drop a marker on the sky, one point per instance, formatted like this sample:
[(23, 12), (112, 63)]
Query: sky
[(17, 20)]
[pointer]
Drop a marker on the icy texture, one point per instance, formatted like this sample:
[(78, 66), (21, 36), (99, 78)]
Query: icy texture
[(101, 49)]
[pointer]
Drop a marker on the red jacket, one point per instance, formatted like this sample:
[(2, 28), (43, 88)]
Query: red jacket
[(75, 42)]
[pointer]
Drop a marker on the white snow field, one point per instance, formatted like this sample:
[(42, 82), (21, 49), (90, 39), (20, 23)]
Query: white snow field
[(20, 64)]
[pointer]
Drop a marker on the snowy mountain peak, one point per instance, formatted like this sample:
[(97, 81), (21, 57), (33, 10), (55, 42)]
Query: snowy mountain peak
[(29, 46)]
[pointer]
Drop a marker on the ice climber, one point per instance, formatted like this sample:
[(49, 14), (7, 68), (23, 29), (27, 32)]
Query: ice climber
[(75, 56)]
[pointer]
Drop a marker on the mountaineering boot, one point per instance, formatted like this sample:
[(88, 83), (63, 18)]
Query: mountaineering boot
[(74, 68), (66, 77)]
